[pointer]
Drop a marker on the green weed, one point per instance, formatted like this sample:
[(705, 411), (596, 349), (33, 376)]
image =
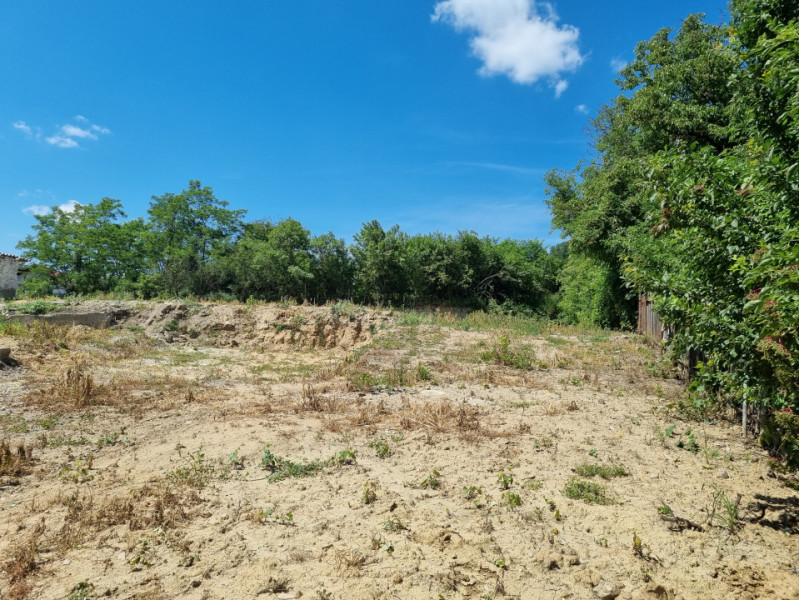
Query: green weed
[(587, 491), (603, 471)]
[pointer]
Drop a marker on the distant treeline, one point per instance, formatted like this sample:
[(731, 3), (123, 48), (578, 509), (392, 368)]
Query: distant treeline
[(192, 244)]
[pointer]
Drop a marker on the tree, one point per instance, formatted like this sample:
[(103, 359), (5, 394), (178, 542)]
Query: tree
[(189, 231), (676, 95), (381, 264), (84, 251)]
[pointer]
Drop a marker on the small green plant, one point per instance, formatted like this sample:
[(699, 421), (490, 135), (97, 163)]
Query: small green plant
[(725, 512), (532, 485), (471, 492), (432, 481), (593, 452), (512, 500), (690, 443), (369, 495), (603, 471), (281, 468), (423, 373), (504, 479), (666, 434), (172, 326), (196, 471), (344, 457), (587, 491), (500, 563), (112, 438), (270, 515), (394, 524), (142, 555), (48, 423), (82, 591), (381, 448), (77, 472), (640, 550)]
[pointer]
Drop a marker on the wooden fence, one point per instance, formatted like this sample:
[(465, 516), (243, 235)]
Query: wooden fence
[(649, 322)]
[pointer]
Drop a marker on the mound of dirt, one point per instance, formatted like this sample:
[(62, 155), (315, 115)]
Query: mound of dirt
[(257, 327)]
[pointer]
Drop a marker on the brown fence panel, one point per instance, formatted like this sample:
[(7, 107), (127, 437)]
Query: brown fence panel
[(649, 322)]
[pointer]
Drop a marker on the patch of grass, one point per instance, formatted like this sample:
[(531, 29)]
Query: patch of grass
[(37, 307), (62, 440), (78, 472), (82, 591), (196, 471), (281, 468), (112, 438), (14, 424), (603, 471), (432, 481), (522, 358), (587, 491), (381, 447), (423, 373), (48, 423)]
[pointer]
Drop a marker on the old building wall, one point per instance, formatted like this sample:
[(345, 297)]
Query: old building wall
[(8, 276)]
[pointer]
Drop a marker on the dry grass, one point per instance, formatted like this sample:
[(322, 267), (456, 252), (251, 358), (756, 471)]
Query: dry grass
[(22, 561), (15, 462), (352, 559), (439, 417)]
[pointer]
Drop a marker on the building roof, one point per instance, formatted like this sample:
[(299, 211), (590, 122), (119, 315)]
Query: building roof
[(19, 258)]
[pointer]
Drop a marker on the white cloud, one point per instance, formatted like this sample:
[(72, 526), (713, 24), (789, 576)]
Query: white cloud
[(517, 38), (69, 206), (23, 127), (76, 132), (62, 142), (617, 64), (581, 108), (66, 136), (36, 209)]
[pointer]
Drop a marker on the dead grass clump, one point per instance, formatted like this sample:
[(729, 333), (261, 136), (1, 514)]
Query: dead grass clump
[(22, 561), (15, 462), (351, 559), (439, 417), (74, 387), (312, 400), (149, 507)]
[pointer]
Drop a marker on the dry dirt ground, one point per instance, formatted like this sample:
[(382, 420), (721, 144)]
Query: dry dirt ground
[(208, 451)]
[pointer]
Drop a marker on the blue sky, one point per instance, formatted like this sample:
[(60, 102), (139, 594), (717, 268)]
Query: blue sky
[(437, 116)]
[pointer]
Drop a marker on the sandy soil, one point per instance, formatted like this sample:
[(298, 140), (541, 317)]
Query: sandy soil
[(226, 451)]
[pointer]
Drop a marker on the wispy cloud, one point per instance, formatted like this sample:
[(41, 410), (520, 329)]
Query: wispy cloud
[(520, 39), (617, 64), (36, 209), (498, 167), (65, 136), (581, 108)]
